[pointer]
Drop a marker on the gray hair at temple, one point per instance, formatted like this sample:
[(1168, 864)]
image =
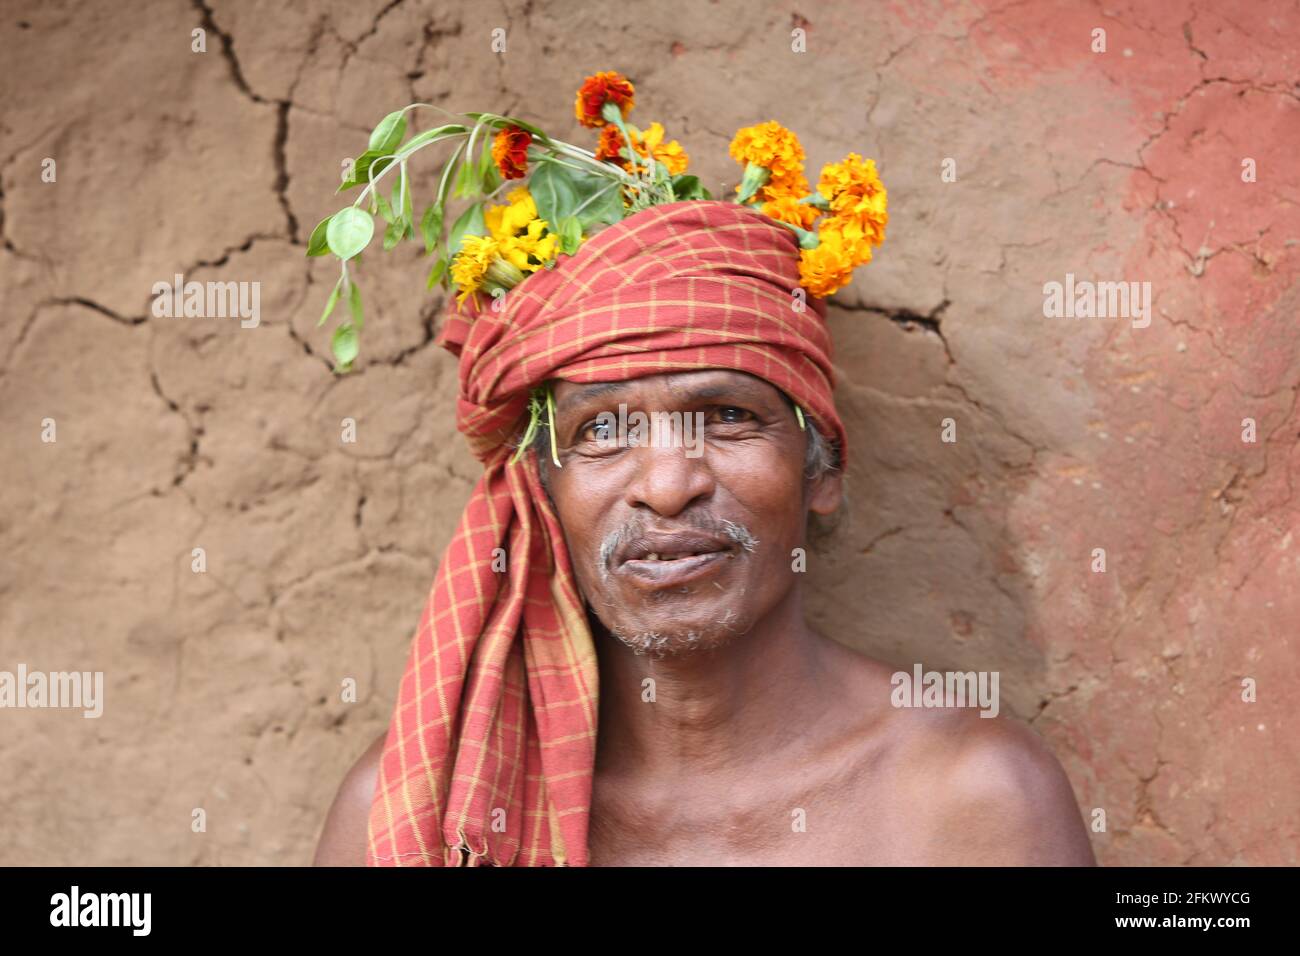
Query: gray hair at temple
[(821, 456)]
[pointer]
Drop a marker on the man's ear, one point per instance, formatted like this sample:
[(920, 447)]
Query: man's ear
[(826, 493)]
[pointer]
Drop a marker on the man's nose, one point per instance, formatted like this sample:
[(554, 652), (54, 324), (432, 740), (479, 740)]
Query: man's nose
[(667, 480)]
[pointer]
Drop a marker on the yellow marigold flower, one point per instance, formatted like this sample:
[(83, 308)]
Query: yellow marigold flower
[(506, 221), (771, 146), (670, 154), (857, 234), (518, 249), (853, 185), (471, 263), (790, 209), (791, 187), (828, 267), (649, 143)]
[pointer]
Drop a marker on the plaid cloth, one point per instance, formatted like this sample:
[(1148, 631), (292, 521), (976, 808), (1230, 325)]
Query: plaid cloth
[(489, 755)]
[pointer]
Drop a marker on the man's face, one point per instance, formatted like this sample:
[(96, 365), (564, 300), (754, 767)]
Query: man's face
[(685, 542)]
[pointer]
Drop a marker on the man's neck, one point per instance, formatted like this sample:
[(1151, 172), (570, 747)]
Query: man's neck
[(715, 712)]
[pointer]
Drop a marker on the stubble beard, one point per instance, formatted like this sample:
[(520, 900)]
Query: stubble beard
[(661, 644)]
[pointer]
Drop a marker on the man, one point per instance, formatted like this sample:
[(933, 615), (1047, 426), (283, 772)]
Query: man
[(662, 584)]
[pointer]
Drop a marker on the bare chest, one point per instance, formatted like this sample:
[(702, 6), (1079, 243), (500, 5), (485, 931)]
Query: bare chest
[(826, 817)]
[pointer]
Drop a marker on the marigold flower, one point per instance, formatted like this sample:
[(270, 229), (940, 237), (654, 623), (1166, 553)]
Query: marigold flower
[(507, 221), (471, 264), (522, 239), (510, 151), (790, 209), (647, 144), (795, 186), (611, 141), (828, 267), (531, 250), (854, 190), (599, 89), (670, 153), (856, 234), (773, 147)]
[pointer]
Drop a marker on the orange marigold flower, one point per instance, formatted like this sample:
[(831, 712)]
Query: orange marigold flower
[(853, 185), (773, 147), (790, 209), (828, 267), (791, 187), (510, 152), (855, 236), (649, 143), (611, 141), (599, 89), (670, 153)]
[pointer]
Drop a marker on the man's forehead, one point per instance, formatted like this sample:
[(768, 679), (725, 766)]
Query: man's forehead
[(697, 384)]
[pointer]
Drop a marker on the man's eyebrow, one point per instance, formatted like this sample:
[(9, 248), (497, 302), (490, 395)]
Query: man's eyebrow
[(700, 393), (740, 391), (589, 392)]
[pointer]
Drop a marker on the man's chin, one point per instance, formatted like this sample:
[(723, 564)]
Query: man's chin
[(676, 631), (673, 642)]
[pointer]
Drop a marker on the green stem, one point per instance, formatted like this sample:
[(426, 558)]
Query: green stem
[(550, 422), (534, 415)]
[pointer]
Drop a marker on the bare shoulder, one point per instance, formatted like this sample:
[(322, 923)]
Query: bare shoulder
[(952, 787), (343, 838), (995, 794)]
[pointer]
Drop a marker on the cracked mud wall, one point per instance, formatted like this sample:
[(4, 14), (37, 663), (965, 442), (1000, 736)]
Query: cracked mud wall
[(222, 688)]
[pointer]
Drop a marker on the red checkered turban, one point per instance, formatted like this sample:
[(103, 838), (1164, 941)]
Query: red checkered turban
[(490, 752)]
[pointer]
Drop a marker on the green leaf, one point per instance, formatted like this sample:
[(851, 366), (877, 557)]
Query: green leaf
[(385, 210), (488, 174), (393, 234), (689, 187), (470, 223), (345, 345), (436, 272), (317, 244), (350, 230), (361, 169), (600, 200), (469, 183), (330, 303), (408, 211), (509, 121), (431, 227), (430, 136), (570, 232), (354, 304), (387, 136), (554, 192)]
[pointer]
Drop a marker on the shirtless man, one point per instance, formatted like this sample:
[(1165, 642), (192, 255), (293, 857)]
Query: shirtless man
[(765, 743)]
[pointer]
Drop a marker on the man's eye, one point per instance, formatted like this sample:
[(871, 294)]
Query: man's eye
[(596, 431), (730, 415)]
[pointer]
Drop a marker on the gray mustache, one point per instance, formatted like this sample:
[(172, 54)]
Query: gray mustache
[(738, 533)]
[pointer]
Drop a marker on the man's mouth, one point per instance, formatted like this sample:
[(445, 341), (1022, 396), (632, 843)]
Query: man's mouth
[(667, 560)]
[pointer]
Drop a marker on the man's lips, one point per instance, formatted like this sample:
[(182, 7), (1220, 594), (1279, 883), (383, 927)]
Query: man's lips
[(665, 560)]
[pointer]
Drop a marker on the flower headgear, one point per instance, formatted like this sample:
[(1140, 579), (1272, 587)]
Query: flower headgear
[(571, 192)]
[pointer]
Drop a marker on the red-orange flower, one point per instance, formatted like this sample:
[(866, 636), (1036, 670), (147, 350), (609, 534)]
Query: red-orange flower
[(599, 89), (510, 152), (611, 141)]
